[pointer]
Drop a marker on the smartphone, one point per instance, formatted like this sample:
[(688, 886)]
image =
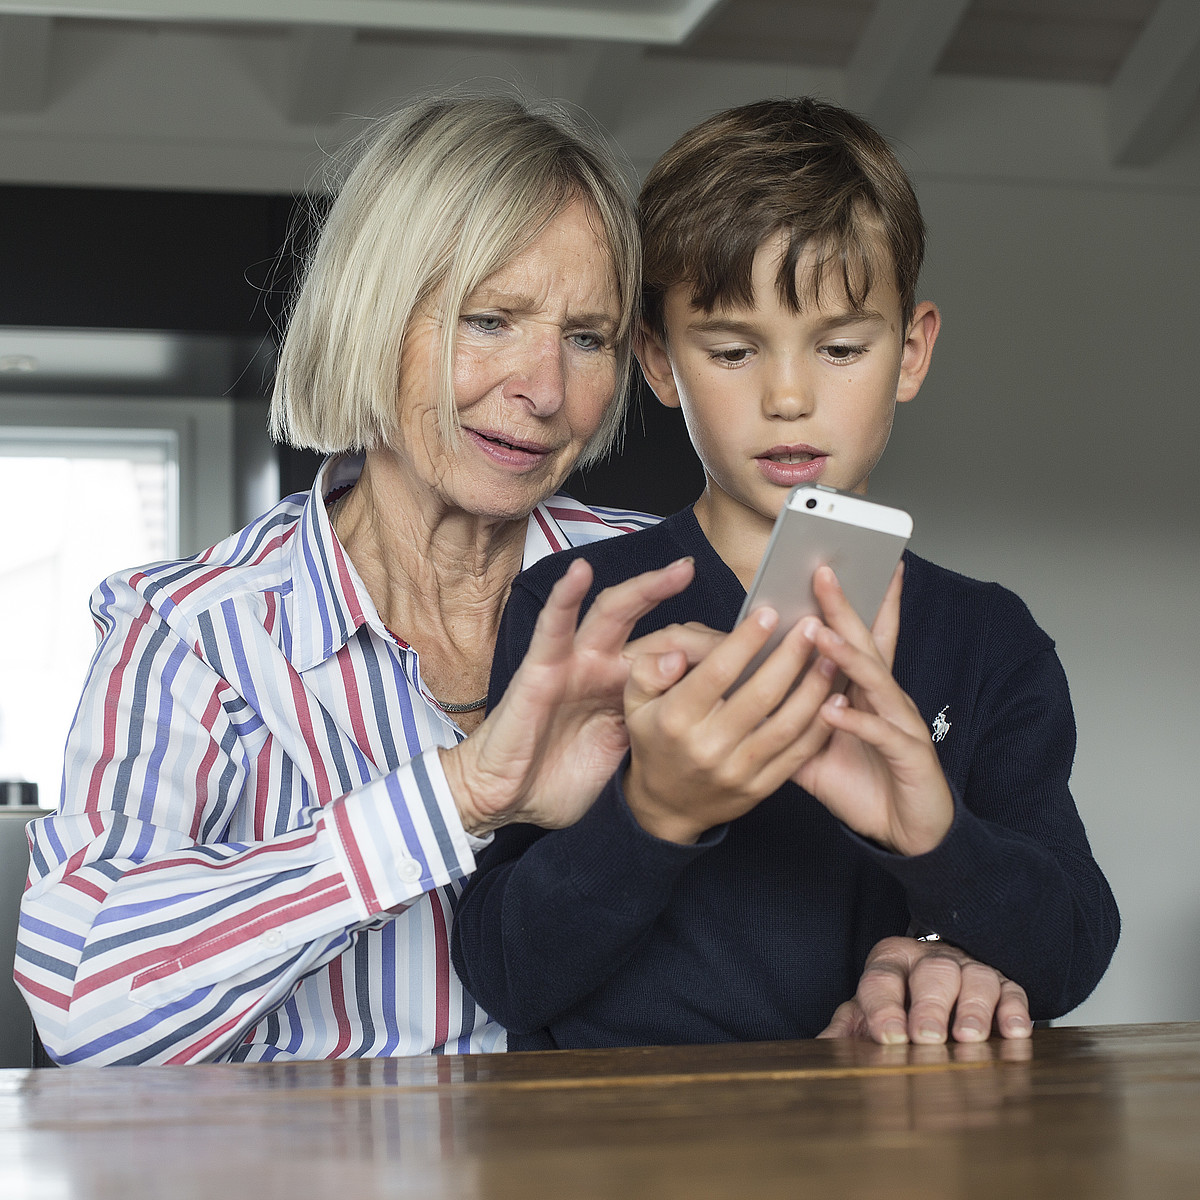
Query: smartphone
[(861, 540)]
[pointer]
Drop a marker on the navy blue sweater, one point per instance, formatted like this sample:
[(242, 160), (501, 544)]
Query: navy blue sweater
[(602, 935)]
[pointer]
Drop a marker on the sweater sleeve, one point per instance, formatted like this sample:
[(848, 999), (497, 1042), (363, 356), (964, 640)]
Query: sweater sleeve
[(1014, 882), (548, 916)]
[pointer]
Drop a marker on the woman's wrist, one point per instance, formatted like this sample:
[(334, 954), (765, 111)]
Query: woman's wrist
[(459, 765)]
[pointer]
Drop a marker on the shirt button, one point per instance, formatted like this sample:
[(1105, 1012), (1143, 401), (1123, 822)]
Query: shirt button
[(410, 870), (272, 939)]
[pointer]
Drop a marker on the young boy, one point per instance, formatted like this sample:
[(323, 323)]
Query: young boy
[(732, 876)]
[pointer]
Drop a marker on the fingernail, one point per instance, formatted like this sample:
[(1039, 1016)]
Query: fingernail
[(930, 1033), (894, 1034), (971, 1031), (687, 558), (768, 618), (828, 668), (1017, 1028)]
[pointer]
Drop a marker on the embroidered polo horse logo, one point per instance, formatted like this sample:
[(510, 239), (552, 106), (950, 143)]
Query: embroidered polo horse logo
[(941, 726)]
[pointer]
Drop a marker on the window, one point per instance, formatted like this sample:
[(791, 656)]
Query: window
[(91, 486), (89, 502)]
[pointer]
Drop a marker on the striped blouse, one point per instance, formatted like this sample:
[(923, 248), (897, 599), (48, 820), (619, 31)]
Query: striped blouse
[(256, 854)]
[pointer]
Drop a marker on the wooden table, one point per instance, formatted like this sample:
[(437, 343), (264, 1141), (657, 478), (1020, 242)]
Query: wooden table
[(1104, 1112)]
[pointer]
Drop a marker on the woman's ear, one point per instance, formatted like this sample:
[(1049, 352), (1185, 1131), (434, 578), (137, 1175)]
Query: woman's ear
[(918, 350), (656, 366)]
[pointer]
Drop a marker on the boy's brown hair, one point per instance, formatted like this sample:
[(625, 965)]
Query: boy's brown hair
[(812, 170)]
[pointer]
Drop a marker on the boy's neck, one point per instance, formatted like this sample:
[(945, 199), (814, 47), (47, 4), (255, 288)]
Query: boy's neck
[(737, 533)]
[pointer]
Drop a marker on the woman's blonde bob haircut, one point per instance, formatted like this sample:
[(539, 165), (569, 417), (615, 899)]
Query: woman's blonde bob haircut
[(445, 193)]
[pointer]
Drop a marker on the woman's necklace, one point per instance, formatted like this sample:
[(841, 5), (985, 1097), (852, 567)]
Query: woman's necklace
[(470, 706)]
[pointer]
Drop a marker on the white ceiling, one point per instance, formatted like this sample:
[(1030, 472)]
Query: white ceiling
[(241, 94)]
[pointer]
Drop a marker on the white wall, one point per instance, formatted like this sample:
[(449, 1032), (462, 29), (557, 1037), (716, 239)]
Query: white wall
[(1053, 448)]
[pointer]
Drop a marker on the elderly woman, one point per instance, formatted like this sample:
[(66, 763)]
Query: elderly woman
[(270, 796)]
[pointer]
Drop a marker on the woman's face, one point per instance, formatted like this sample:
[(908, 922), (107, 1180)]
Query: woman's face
[(535, 370)]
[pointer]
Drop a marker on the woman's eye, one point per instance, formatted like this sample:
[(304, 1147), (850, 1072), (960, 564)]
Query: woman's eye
[(485, 323)]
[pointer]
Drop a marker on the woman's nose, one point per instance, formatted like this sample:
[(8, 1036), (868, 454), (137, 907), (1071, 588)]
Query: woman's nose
[(540, 378)]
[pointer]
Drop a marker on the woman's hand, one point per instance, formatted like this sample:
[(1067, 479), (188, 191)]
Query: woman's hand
[(543, 754), (909, 989), (699, 759), (879, 772)]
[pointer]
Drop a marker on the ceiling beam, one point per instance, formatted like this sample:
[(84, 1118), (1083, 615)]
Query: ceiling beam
[(1155, 88), (895, 58), (24, 63), (318, 57), (657, 22)]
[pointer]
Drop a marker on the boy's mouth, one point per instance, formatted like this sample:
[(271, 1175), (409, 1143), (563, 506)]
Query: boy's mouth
[(792, 464), (791, 454)]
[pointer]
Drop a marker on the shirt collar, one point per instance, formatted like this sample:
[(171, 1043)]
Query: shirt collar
[(329, 601)]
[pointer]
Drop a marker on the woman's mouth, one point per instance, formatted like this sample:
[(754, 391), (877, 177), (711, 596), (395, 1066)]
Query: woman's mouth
[(511, 453)]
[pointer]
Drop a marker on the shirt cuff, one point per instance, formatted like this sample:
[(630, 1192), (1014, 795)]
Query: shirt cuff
[(400, 836)]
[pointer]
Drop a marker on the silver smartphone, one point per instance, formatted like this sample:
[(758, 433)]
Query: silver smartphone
[(861, 540)]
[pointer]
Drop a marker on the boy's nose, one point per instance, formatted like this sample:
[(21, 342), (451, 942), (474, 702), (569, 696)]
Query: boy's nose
[(539, 378), (789, 395)]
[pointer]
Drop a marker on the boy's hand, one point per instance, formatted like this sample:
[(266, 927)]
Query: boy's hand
[(879, 772), (699, 759)]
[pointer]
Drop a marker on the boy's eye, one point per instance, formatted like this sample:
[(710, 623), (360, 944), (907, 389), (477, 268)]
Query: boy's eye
[(738, 354), (841, 352)]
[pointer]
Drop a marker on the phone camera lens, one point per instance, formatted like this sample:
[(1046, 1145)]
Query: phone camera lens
[(810, 504)]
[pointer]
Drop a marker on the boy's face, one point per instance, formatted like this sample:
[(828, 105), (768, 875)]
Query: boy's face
[(774, 398)]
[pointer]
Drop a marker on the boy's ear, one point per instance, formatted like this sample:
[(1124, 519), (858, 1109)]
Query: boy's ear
[(918, 350), (656, 366)]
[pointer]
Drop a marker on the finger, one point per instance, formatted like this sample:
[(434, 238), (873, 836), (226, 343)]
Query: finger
[(885, 629), (555, 628), (933, 986), (837, 610), (706, 685), (848, 1021), (881, 995), (775, 679), (978, 996), (652, 674), (1012, 1012), (618, 609), (696, 641), (872, 681), (795, 731), (882, 733)]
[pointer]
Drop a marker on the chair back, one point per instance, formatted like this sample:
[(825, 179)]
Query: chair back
[(16, 1025)]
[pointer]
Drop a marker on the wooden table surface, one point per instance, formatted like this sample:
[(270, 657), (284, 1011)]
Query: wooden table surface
[(1099, 1112)]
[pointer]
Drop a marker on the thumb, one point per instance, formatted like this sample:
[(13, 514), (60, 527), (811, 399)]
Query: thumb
[(652, 674)]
